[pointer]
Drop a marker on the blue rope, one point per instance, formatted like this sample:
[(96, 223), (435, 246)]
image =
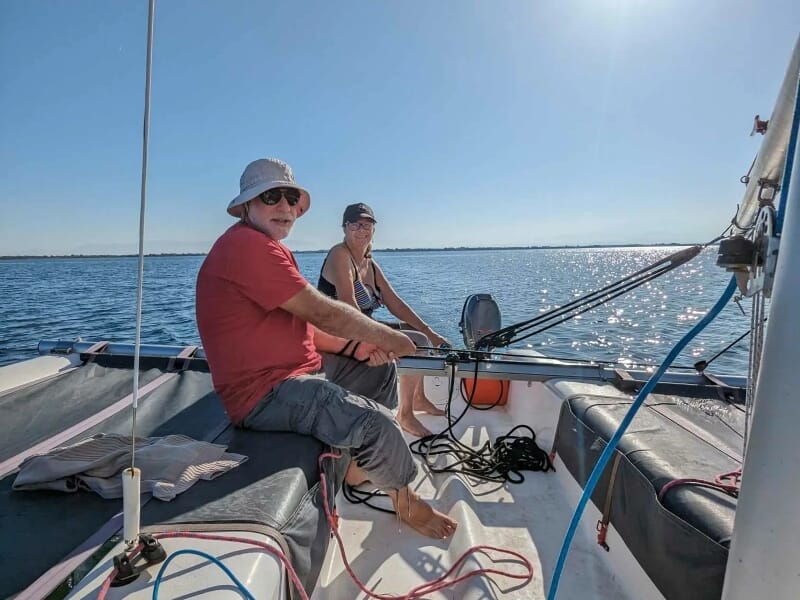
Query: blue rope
[(212, 559), (623, 426)]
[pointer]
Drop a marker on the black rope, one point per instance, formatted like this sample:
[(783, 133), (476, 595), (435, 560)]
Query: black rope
[(579, 310), (499, 462), (702, 365), (511, 334), (725, 233), (358, 496)]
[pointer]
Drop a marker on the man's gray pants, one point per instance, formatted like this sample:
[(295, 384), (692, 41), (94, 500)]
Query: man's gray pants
[(346, 406)]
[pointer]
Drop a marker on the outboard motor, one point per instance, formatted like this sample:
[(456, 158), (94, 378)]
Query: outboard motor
[(479, 317)]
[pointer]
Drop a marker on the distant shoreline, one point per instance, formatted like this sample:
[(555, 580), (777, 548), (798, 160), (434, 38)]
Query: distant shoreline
[(445, 249)]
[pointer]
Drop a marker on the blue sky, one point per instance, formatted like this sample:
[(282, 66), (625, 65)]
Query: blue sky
[(461, 123)]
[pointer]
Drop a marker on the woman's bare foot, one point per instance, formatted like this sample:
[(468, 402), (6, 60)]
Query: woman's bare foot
[(410, 423), (421, 403), (355, 475), (417, 513), (410, 389)]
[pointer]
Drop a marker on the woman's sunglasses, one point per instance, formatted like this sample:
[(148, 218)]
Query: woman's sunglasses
[(366, 225), (273, 196)]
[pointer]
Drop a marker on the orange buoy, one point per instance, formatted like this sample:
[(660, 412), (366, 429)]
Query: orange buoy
[(488, 392)]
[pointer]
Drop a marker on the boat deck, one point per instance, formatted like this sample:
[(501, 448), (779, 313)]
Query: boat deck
[(530, 518)]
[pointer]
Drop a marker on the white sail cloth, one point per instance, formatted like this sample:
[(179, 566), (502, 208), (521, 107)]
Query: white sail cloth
[(769, 163), (170, 465)]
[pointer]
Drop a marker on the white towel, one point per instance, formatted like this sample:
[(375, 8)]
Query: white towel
[(170, 465)]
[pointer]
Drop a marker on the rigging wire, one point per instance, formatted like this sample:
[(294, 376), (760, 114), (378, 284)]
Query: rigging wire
[(725, 233), (702, 365), (142, 203), (757, 319)]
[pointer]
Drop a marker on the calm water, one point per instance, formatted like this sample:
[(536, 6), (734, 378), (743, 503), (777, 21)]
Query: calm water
[(96, 299)]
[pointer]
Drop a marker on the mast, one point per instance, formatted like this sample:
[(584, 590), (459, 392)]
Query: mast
[(767, 167), (762, 562)]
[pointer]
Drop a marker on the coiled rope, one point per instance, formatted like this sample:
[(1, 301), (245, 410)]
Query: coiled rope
[(500, 461)]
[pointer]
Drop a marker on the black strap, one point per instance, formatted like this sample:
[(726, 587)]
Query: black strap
[(378, 291), (602, 524), (345, 348), (349, 351), (356, 276), (352, 354)]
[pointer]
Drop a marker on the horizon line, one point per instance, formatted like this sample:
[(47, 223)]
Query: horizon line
[(444, 248)]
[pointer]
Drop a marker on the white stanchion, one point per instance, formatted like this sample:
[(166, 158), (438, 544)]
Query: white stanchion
[(131, 485)]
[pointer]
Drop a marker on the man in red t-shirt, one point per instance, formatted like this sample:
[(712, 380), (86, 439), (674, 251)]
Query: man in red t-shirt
[(284, 357)]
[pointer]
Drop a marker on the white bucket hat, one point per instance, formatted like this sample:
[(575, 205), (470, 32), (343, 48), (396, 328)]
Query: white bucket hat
[(262, 175)]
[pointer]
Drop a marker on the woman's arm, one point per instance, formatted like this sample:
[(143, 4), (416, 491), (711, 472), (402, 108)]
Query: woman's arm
[(341, 274), (403, 311)]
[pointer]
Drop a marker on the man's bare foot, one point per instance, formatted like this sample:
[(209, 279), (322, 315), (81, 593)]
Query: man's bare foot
[(355, 475), (411, 424), (417, 513), (422, 404)]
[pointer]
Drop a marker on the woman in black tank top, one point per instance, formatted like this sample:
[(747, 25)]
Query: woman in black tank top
[(351, 275)]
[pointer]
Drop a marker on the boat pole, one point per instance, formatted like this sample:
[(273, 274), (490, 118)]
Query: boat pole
[(131, 477), (762, 562)]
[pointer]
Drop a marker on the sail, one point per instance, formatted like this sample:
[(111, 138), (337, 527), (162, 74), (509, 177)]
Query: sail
[(769, 163)]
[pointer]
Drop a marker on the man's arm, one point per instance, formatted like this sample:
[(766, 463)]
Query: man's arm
[(325, 342), (363, 351), (338, 319)]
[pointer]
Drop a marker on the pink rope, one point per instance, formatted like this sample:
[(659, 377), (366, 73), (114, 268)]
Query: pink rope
[(220, 538), (421, 590), (727, 483), (733, 479), (431, 586)]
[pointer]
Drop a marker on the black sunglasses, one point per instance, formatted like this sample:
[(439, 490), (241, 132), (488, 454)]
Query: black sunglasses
[(273, 196)]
